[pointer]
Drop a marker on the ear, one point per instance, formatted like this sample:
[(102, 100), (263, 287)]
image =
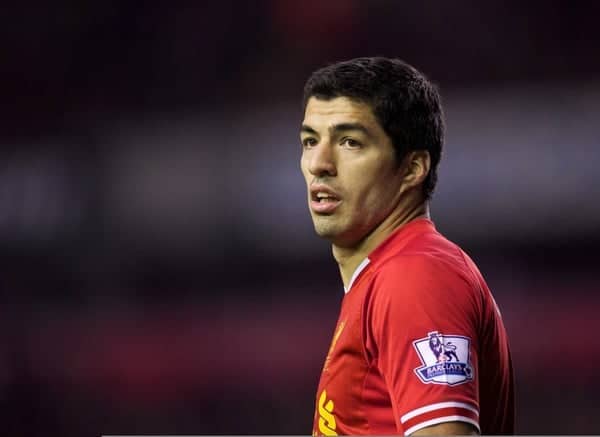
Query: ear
[(417, 164)]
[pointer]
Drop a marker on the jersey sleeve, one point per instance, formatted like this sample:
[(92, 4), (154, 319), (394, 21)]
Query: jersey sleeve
[(422, 334)]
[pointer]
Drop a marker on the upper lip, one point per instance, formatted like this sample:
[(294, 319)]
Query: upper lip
[(320, 188)]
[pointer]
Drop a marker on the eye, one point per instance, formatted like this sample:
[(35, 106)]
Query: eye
[(350, 143), (308, 142)]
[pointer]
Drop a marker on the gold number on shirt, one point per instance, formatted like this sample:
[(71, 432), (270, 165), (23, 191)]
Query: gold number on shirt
[(326, 418)]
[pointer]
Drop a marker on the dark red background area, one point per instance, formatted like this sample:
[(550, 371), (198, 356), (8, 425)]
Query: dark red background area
[(144, 371)]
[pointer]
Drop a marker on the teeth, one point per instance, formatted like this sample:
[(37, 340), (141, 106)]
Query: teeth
[(322, 196)]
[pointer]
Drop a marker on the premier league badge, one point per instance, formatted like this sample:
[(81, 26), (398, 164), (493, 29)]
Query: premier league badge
[(445, 359)]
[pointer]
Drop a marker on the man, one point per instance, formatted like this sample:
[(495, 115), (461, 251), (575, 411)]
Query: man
[(420, 347)]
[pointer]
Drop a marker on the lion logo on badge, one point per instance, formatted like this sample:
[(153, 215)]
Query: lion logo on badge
[(445, 359)]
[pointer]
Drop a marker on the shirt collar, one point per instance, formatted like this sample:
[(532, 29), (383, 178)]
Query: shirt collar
[(364, 263), (395, 240)]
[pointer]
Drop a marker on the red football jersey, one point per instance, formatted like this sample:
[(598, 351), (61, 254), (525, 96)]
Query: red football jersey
[(419, 341)]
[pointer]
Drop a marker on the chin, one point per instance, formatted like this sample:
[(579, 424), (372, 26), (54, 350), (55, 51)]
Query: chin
[(334, 236), (325, 230), (325, 233)]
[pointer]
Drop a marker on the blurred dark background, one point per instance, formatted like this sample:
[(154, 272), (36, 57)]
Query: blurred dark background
[(159, 272)]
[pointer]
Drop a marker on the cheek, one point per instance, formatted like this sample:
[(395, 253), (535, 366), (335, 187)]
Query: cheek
[(304, 168), (367, 196), (379, 191)]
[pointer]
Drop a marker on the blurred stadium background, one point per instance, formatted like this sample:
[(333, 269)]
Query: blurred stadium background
[(159, 271)]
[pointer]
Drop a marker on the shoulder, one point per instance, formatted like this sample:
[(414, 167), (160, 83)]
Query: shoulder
[(425, 251), (425, 269), (411, 295), (425, 279)]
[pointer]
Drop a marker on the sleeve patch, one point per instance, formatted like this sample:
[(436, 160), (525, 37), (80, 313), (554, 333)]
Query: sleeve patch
[(445, 359)]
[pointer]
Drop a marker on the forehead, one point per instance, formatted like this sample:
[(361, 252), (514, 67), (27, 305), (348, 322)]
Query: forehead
[(320, 113)]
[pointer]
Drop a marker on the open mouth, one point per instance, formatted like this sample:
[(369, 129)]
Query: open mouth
[(323, 198), (323, 202)]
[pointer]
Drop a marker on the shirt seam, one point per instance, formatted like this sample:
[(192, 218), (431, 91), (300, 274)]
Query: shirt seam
[(362, 395)]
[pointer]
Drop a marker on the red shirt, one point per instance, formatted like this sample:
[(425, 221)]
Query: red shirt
[(419, 341)]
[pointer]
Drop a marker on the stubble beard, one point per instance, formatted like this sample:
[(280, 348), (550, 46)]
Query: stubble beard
[(325, 227), (342, 230), (334, 230)]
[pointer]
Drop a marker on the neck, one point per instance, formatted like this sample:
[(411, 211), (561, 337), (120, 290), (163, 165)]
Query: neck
[(348, 258)]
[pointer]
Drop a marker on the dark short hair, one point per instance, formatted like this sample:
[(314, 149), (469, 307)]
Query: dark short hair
[(405, 103)]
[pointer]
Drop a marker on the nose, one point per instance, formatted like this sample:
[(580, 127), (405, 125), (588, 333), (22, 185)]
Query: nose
[(322, 160)]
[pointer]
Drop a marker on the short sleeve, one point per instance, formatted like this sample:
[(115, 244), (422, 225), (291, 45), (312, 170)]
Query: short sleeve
[(422, 334)]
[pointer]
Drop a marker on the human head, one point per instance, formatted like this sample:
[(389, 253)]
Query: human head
[(404, 102)]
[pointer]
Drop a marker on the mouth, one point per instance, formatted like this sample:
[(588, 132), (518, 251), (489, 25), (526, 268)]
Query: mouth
[(323, 200), (323, 197)]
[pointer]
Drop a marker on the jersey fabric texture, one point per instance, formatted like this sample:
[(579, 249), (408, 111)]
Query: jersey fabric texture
[(419, 341)]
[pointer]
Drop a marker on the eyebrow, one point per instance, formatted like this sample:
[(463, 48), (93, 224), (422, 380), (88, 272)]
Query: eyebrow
[(307, 129), (337, 128)]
